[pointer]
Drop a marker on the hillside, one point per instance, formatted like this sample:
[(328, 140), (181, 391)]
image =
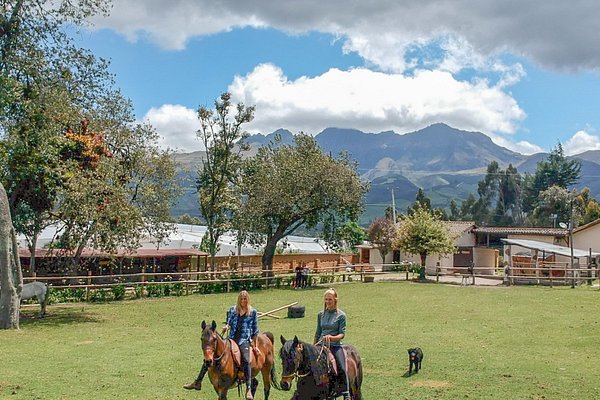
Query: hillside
[(446, 162)]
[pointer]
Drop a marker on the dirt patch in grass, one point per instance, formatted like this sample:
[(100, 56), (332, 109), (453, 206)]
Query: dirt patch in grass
[(431, 384)]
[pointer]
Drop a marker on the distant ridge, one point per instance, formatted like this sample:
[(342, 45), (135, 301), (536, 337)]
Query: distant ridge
[(446, 162)]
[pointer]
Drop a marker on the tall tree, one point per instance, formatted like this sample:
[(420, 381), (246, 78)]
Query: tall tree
[(48, 85), (382, 232), (423, 233), (421, 201), (287, 186), (556, 170), (223, 138)]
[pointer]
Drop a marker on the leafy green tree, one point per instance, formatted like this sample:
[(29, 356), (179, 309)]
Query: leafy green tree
[(343, 237), (421, 201), (590, 209), (556, 170), (424, 233), (127, 196), (223, 140), (48, 85), (454, 211), (382, 232), (287, 186)]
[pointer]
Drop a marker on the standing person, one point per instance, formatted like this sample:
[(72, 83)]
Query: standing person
[(304, 275), (298, 282), (242, 324), (331, 329)]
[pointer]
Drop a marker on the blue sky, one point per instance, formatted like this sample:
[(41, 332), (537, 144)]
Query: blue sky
[(526, 76)]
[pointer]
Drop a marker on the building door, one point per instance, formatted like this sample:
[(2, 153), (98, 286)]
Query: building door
[(463, 257)]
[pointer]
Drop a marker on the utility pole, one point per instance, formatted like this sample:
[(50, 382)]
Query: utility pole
[(393, 207), (571, 242)]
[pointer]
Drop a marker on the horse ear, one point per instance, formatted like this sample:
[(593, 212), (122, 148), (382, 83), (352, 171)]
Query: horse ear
[(282, 339), (296, 340), (213, 326), (203, 325)]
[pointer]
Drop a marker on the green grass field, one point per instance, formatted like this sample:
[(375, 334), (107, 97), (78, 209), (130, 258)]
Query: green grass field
[(479, 343)]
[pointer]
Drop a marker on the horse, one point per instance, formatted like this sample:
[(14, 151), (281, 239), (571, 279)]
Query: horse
[(39, 290), (310, 364), (223, 371)]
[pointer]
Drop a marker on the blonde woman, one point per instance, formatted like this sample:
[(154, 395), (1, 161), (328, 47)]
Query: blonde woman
[(331, 329), (242, 324)]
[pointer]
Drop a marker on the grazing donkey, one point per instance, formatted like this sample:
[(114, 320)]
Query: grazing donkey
[(39, 290)]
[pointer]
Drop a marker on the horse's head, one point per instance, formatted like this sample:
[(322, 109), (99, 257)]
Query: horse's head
[(291, 358), (209, 341)]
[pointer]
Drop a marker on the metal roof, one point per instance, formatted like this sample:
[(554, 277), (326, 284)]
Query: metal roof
[(522, 231), (549, 248)]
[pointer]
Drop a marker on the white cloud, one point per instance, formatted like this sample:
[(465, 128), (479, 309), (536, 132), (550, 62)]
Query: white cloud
[(581, 141), (176, 126), (523, 146), (561, 35), (373, 101)]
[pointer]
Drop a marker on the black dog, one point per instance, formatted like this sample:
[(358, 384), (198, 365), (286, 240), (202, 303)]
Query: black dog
[(415, 356)]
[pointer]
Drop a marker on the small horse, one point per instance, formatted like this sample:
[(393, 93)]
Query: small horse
[(39, 290), (224, 373), (316, 380)]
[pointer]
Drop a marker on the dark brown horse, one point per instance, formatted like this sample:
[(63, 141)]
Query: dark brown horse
[(310, 364), (223, 371)]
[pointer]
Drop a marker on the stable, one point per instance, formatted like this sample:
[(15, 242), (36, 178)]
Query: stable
[(551, 261)]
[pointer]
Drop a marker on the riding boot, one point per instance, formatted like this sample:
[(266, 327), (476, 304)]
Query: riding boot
[(197, 385)]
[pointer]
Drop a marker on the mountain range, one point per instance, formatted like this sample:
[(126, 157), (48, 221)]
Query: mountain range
[(445, 162)]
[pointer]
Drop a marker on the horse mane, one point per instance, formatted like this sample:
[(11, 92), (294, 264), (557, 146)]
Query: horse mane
[(317, 361)]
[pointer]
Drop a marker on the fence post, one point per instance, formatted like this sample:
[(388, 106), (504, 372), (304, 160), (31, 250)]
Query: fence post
[(437, 272), (87, 287), (406, 267), (143, 280)]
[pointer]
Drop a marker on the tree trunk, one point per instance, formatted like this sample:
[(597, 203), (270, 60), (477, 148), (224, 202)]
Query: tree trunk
[(10, 271), (267, 258), (422, 269)]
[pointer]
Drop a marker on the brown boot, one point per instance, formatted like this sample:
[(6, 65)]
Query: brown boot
[(197, 385)]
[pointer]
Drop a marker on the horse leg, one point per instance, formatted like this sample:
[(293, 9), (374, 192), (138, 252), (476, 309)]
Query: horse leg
[(266, 382)]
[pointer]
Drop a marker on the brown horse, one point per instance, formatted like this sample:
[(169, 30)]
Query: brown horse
[(315, 378), (223, 371)]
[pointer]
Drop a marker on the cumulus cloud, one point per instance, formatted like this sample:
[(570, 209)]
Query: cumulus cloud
[(176, 126), (559, 35), (373, 101), (581, 141)]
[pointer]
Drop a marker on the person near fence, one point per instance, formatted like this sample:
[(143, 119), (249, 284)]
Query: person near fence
[(304, 275), (298, 282), (242, 324), (331, 329)]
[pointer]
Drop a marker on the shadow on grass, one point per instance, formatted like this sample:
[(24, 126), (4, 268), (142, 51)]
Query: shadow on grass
[(58, 316)]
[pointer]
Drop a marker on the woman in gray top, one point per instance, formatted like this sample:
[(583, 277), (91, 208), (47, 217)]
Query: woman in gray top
[(331, 329)]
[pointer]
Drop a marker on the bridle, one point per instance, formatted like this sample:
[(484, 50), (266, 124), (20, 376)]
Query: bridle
[(214, 348), (297, 374)]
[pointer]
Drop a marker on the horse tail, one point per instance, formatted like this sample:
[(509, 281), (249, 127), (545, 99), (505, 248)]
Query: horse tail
[(273, 373)]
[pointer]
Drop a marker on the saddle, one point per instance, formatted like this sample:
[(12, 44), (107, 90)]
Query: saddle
[(237, 354)]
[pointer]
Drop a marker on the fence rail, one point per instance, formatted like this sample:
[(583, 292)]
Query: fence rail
[(143, 283)]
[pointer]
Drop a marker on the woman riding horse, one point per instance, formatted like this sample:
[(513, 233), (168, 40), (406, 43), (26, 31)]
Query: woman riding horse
[(242, 324), (331, 329)]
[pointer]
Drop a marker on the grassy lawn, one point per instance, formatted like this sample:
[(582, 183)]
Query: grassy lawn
[(478, 342)]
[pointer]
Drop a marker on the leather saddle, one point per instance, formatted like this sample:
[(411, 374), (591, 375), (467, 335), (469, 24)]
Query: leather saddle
[(236, 354), (333, 369)]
